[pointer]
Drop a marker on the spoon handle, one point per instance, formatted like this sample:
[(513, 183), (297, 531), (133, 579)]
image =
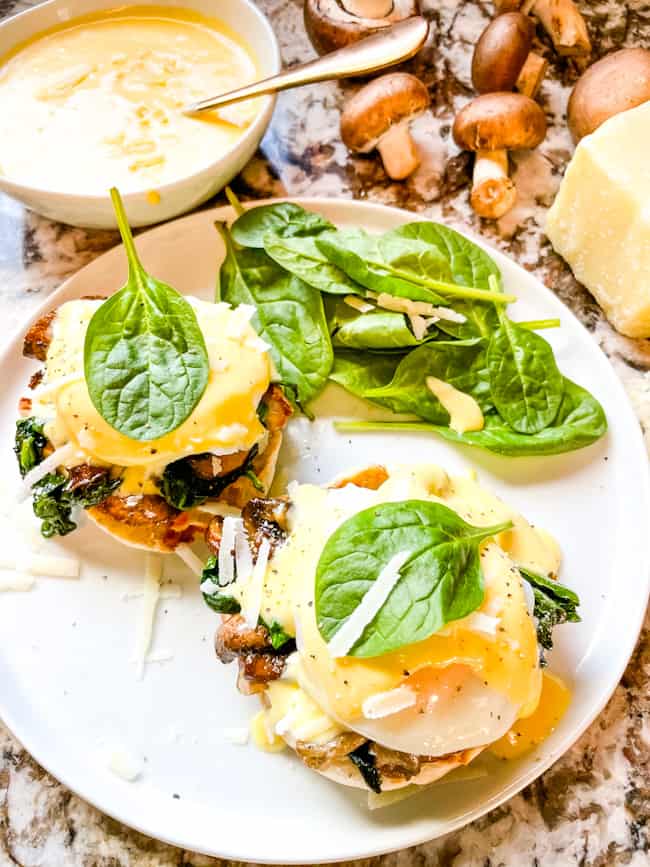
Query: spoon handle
[(385, 48)]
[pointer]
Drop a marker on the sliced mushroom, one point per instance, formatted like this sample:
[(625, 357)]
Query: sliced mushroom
[(491, 125), (379, 116), (614, 84), (331, 24), (561, 19), (503, 59)]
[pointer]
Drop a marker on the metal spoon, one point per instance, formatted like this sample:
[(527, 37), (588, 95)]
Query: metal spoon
[(385, 48)]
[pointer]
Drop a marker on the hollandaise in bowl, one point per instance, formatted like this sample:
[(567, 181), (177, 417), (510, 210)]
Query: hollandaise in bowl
[(92, 96), (394, 624)]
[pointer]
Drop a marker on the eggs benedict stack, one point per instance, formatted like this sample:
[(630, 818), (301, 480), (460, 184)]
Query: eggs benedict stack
[(154, 493), (394, 624)]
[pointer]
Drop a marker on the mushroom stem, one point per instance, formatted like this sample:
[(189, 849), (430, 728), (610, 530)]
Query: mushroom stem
[(564, 23), (398, 152), (531, 75), (368, 8), (493, 192)]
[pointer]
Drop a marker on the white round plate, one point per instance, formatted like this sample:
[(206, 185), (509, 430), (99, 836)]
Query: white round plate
[(69, 690)]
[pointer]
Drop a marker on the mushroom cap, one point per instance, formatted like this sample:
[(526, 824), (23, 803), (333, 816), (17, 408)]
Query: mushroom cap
[(500, 121), (329, 26), (501, 52), (373, 110), (615, 83)]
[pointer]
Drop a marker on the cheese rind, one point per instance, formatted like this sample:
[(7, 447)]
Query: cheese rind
[(600, 220)]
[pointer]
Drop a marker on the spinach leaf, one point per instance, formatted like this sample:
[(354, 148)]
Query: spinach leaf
[(289, 316), (441, 581), (285, 219), (580, 422), (54, 497), (554, 604), (53, 505), (277, 636), (409, 269), (357, 254), (470, 266), (30, 442), (366, 763), (377, 330), (460, 363), (94, 491), (184, 488), (222, 603), (301, 257), (357, 372), (526, 385), (145, 360)]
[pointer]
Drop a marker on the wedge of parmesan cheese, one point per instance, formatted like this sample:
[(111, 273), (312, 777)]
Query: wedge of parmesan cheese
[(600, 220)]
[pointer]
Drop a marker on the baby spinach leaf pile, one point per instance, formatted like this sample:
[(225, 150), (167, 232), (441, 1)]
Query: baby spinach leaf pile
[(145, 360), (299, 272), (440, 581)]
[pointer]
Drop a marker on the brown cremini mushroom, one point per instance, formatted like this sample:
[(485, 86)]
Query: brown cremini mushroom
[(561, 19), (379, 116), (491, 125), (502, 57), (614, 84), (332, 24)]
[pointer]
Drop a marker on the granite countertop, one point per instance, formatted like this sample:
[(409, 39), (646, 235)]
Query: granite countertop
[(593, 806)]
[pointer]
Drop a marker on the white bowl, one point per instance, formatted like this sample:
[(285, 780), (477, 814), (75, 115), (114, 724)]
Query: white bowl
[(95, 211)]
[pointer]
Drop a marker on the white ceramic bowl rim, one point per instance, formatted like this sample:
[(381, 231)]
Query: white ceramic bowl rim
[(260, 122)]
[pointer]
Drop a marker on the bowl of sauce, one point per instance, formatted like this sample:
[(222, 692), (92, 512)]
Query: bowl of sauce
[(91, 96)]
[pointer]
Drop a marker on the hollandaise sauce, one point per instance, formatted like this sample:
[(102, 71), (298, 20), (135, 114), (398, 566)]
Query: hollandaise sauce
[(96, 102), (224, 421)]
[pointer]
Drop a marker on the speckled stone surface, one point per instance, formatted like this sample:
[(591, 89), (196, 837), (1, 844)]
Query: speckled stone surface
[(593, 806)]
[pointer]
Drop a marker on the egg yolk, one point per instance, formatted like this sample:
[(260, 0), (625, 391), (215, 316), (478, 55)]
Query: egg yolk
[(534, 729)]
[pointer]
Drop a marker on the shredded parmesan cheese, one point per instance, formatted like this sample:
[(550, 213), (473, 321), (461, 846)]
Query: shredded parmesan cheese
[(58, 458), (190, 559), (226, 558), (125, 765), (418, 308), (483, 623), (450, 315), (243, 557), (236, 736), (359, 304), (255, 588), (151, 595), (405, 305), (418, 325), (43, 565), (353, 627), (223, 510), (17, 583), (384, 704)]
